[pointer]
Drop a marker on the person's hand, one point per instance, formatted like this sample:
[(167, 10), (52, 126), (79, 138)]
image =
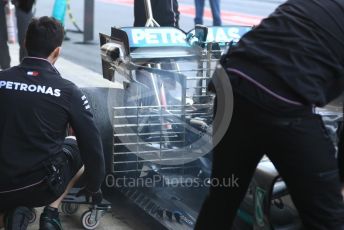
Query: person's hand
[(96, 197)]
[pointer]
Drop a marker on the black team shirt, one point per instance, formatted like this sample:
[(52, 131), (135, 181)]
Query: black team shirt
[(297, 52), (36, 106)]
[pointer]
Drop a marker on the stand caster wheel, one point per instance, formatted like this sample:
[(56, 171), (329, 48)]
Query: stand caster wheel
[(33, 216), (69, 209), (89, 220)]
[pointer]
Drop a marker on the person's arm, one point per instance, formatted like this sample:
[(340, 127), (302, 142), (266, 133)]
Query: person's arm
[(89, 141)]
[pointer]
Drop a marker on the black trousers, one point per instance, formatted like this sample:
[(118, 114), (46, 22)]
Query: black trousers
[(23, 20), (165, 12), (341, 153), (298, 145), (41, 194)]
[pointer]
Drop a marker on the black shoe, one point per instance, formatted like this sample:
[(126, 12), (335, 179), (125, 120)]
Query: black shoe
[(18, 218), (50, 219)]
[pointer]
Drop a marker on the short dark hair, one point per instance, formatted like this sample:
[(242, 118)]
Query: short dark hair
[(43, 36)]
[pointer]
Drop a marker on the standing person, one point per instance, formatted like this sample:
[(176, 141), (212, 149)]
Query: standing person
[(165, 12), (5, 53), (38, 165), (279, 71), (23, 15), (341, 158), (215, 10)]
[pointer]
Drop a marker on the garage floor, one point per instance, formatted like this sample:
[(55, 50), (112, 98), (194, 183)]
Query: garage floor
[(109, 221), (125, 215)]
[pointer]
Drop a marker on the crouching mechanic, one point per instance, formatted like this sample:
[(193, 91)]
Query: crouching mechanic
[(38, 165)]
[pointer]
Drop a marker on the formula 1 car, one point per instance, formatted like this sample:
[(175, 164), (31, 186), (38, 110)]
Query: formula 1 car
[(162, 125), (166, 111)]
